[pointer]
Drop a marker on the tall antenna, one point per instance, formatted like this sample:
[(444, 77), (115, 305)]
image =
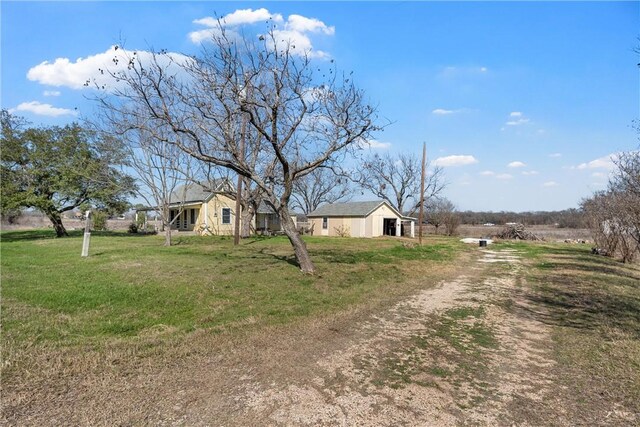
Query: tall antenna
[(421, 214)]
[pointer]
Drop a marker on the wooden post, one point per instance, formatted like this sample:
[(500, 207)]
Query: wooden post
[(87, 236), (421, 215)]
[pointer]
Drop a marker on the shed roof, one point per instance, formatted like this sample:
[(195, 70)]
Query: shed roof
[(349, 209)]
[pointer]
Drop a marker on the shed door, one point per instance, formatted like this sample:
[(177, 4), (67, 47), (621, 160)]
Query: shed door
[(389, 226)]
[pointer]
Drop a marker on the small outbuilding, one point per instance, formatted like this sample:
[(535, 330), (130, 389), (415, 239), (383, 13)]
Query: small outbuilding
[(360, 219)]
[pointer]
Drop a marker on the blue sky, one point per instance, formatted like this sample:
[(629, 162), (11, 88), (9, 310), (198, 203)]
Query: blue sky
[(523, 104)]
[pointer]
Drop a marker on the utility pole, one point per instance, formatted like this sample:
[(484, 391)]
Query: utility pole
[(421, 214)]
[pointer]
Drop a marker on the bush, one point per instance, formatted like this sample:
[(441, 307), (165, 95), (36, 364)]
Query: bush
[(11, 216), (141, 218), (99, 220), (133, 228), (342, 231)]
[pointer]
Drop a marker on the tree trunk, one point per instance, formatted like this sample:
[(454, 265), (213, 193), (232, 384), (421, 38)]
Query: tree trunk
[(247, 217), (167, 234), (56, 220), (166, 224), (299, 247)]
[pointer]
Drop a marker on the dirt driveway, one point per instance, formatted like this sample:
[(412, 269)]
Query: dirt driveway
[(446, 356), (468, 351)]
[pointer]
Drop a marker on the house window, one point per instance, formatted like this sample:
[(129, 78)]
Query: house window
[(226, 215), (325, 223), (193, 216)]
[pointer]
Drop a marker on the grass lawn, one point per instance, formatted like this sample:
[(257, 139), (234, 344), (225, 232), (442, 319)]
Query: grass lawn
[(131, 287), (134, 312), (592, 304)]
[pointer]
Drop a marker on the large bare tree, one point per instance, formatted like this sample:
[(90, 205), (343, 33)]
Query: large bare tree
[(397, 179), (305, 117)]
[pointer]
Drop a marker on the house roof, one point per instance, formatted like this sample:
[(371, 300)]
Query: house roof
[(350, 209), (264, 208), (192, 192)]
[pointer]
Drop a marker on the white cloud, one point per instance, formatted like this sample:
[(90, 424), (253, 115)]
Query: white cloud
[(241, 17), (51, 93), (375, 144), (517, 122), (95, 68), (298, 42), (487, 173), (441, 112), (40, 109), (249, 16), (462, 160), (516, 119), (202, 35), (302, 24), (550, 184), (504, 176), (516, 164), (445, 112), (530, 173), (555, 155), (599, 175), (605, 162), (295, 32), (233, 19)]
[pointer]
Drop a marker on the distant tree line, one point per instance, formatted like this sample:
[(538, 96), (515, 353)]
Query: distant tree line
[(568, 218)]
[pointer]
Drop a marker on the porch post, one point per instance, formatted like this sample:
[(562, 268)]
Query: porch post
[(398, 228), (413, 229)]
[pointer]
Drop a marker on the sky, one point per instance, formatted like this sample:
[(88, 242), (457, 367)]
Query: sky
[(523, 104)]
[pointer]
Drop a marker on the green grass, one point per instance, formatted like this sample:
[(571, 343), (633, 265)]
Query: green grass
[(132, 286), (459, 336)]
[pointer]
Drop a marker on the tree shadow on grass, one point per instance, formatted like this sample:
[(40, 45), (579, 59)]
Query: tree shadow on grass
[(570, 295), (41, 234), (289, 259), (603, 269)]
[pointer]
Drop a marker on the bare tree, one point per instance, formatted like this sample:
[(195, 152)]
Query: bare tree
[(397, 179), (614, 215), (162, 170), (319, 187), (442, 212), (303, 121), (451, 218)]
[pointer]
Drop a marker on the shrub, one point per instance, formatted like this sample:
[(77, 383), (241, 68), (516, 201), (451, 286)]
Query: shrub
[(99, 220), (133, 228), (342, 231), (141, 218)]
